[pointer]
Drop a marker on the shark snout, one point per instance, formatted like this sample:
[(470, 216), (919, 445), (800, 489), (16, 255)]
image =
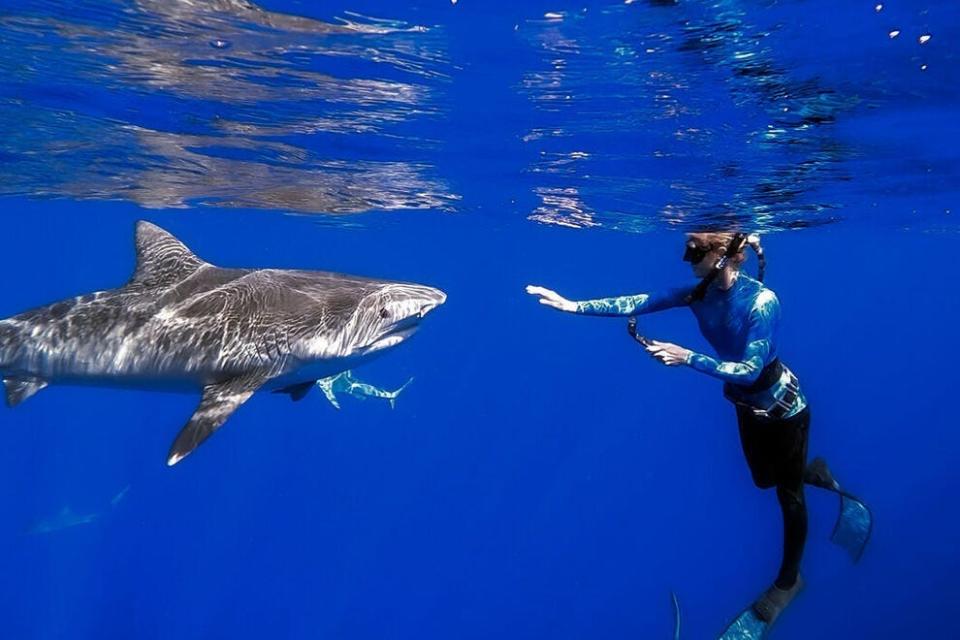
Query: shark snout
[(432, 299)]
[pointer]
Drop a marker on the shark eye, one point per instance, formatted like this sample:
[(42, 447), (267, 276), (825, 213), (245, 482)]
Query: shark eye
[(384, 313)]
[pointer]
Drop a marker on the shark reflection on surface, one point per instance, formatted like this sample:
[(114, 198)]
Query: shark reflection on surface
[(274, 111)]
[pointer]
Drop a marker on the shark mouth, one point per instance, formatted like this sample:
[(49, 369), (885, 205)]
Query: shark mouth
[(398, 333)]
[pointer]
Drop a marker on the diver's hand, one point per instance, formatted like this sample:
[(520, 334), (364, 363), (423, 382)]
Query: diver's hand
[(668, 353), (552, 298)]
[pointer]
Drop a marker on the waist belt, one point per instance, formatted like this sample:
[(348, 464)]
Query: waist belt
[(770, 376), (782, 406), (767, 378)]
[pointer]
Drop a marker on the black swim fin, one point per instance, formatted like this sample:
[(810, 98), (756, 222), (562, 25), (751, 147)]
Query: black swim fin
[(854, 522), (818, 474), (755, 621), (853, 527), (774, 600)]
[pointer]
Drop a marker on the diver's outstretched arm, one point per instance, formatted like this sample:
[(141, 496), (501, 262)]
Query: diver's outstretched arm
[(551, 298), (620, 306)]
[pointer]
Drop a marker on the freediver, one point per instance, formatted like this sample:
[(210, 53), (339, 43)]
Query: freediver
[(739, 317)]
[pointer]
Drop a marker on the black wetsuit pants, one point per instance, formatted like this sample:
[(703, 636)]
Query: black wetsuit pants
[(776, 450)]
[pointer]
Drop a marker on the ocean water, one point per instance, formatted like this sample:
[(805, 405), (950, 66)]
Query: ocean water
[(541, 477)]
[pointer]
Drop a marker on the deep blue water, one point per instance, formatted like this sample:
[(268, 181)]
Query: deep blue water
[(542, 477)]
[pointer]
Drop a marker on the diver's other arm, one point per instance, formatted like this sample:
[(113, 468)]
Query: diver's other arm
[(668, 353), (631, 305), (742, 373), (760, 335)]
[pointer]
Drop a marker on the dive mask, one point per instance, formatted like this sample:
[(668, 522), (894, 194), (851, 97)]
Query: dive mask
[(694, 254)]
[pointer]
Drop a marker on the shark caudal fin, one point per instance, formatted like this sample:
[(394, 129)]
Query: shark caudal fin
[(392, 395)]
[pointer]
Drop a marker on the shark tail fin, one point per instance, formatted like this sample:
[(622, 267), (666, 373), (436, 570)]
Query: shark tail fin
[(392, 398)]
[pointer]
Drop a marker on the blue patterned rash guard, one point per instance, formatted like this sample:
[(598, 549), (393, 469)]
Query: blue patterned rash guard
[(740, 324)]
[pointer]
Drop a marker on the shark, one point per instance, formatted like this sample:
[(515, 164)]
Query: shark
[(183, 324), (67, 518)]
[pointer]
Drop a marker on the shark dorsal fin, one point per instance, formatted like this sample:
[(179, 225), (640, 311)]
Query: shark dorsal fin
[(162, 260)]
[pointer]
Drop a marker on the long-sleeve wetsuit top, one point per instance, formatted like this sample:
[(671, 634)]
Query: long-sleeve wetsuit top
[(740, 324)]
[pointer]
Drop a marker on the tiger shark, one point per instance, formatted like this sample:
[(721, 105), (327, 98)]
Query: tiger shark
[(183, 324)]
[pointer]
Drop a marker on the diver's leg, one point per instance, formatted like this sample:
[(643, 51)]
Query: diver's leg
[(793, 465), (755, 440), (789, 451), (794, 509), (788, 583)]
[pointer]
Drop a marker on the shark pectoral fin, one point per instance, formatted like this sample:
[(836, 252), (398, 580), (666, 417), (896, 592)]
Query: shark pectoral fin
[(297, 391), (19, 389), (326, 385), (217, 405)]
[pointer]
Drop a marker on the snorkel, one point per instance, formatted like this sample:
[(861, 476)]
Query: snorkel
[(694, 254)]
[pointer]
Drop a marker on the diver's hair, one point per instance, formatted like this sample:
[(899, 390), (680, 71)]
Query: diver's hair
[(713, 240)]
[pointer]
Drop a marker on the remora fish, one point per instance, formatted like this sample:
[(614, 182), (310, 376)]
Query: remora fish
[(346, 383), (181, 323)]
